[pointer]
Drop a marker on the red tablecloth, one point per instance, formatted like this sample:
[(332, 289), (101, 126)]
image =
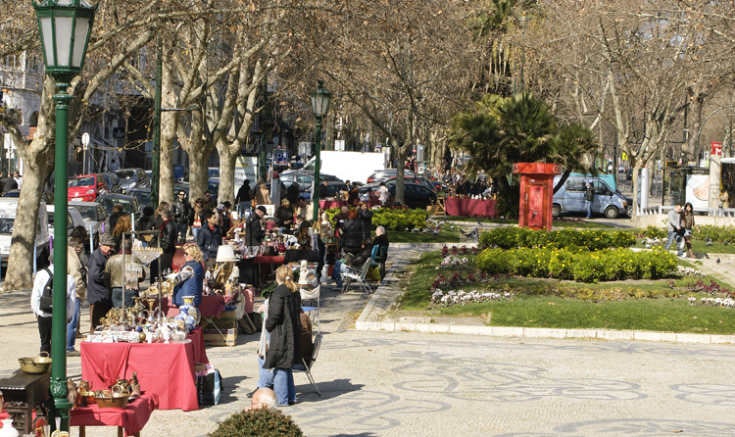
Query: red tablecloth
[(210, 306), (469, 207), (166, 370), (131, 418)]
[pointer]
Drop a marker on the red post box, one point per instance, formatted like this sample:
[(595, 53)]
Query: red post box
[(537, 190)]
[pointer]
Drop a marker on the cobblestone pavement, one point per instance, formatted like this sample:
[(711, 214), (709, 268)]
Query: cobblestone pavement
[(420, 384)]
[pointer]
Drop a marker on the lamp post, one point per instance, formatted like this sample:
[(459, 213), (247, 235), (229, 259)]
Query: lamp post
[(319, 106), (64, 26)]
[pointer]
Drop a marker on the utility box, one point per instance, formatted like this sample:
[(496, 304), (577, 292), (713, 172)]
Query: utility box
[(537, 191)]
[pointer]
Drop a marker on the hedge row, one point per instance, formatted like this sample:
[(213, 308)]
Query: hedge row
[(582, 266), (393, 219), (510, 237)]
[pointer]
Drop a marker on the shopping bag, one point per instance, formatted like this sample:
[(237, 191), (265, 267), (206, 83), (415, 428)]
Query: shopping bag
[(373, 273)]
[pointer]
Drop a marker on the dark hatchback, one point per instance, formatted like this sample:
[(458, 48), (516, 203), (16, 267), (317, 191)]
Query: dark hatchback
[(414, 195)]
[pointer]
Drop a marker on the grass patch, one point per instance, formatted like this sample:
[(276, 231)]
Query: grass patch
[(448, 234), (657, 305)]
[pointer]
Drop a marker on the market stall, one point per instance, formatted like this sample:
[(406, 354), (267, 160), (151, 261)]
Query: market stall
[(131, 419), (164, 369)]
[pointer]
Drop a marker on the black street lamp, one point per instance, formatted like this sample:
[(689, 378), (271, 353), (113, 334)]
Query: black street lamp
[(319, 106), (64, 26)]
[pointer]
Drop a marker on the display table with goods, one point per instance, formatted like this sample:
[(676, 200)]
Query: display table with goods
[(165, 353), (123, 404), (222, 314), (469, 207)]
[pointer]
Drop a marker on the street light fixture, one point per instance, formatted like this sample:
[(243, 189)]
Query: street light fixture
[(319, 106), (64, 26)]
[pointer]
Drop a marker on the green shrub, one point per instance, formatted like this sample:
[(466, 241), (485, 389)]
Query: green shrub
[(717, 234), (508, 237), (400, 219), (582, 266), (262, 422)]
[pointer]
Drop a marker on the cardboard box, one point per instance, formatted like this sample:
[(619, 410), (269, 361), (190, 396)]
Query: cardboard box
[(226, 336)]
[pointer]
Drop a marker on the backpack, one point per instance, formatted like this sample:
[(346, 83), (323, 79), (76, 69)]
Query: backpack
[(47, 295)]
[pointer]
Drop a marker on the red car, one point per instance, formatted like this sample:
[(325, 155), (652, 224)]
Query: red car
[(85, 187)]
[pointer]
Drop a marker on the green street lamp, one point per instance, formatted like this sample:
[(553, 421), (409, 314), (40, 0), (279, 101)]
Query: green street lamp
[(64, 26), (319, 106)]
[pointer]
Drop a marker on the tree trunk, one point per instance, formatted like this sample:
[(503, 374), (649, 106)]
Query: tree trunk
[(199, 152), (227, 159), (169, 120), (38, 158)]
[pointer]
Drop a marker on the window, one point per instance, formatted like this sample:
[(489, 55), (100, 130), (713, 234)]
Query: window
[(575, 184)]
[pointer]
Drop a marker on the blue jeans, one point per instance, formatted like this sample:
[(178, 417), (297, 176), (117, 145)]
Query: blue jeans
[(284, 386), (71, 327), (672, 236), (265, 376), (588, 207)]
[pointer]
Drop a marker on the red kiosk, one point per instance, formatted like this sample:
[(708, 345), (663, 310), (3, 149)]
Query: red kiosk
[(537, 190)]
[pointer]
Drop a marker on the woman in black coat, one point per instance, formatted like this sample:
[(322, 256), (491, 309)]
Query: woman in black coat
[(352, 237), (284, 306)]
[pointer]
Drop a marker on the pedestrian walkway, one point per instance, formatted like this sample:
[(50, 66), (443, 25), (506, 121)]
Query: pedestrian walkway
[(399, 383)]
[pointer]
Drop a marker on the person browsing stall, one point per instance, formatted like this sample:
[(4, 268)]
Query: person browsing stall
[(98, 291), (210, 238), (189, 281), (125, 273), (254, 232)]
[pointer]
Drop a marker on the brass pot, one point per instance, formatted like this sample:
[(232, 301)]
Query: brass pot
[(32, 366)]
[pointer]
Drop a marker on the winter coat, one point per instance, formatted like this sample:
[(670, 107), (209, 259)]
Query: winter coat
[(209, 241), (182, 212), (353, 233), (379, 252), (254, 232), (97, 281), (169, 235), (283, 325)]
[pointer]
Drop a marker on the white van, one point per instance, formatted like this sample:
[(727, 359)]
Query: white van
[(607, 201), (8, 208)]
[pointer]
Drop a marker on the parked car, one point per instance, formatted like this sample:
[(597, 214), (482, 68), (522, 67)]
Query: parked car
[(305, 178), (334, 187), (606, 201), (12, 193), (86, 187), (129, 203), (73, 219), (414, 196), (93, 214), (112, 181), (8, 209), (387, 173), (132, 178), (143, 194), (416, 180)]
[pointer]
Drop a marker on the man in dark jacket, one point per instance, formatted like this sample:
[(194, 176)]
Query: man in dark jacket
[(210, 238), (243, 198), (182, 214), (167, 239), (254, 232), (98, 291)]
